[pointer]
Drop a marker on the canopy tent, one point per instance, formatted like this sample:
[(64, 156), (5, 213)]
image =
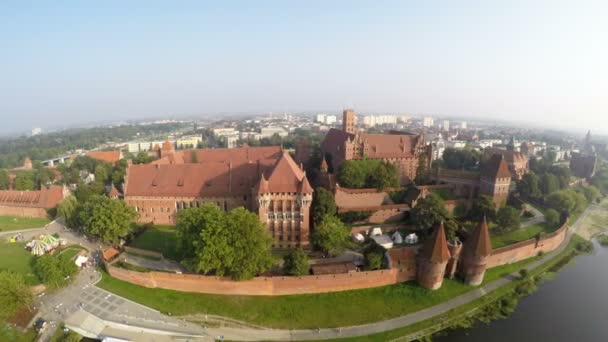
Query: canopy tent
[(359, 237), (37, 247), (411, 238), (397, 238), (50, 240)]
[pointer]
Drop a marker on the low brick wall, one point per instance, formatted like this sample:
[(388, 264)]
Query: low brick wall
[(22, 211), (143, 252), (263, 286), (528, 248)]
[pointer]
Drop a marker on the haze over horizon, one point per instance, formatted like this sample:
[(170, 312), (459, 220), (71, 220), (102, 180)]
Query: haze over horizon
[(531, 61)]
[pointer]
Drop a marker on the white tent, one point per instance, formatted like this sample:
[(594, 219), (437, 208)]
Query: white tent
[(397, 238), (376, 231), (359, 237), (411, 238), (80, 260), (383, 240)]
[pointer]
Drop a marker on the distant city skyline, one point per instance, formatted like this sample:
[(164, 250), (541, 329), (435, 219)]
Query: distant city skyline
[(540, 62)]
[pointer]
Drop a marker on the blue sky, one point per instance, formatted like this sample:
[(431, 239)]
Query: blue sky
[(83, 61)]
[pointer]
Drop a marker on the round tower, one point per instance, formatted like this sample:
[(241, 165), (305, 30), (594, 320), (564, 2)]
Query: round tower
[(433, 259), (477, 248)]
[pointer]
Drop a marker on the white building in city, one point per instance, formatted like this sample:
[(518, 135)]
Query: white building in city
[(445, 125), (267, 132), (428, 121)]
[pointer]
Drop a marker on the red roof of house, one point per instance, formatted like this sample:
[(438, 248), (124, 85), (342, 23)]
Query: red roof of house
[(45, 198), (109, 253), (219, 172), (106, 156), (478, 244), (389, 145), (436, 248)]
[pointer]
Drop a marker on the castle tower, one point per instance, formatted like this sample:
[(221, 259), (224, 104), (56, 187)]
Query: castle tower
[(348, 121), (433, 259), (495, 180), (511, 144), (477, 248)]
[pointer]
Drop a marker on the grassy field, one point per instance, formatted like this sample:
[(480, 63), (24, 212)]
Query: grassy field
[(161, 239), (520, 234), (8, 223), (10, 334), (15, 258), (302, 311)]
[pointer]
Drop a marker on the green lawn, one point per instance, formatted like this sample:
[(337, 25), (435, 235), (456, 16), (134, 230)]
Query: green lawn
[(8, 223), (8, 333), (15, 258), (161, 239), (302, 311), (520, 235)]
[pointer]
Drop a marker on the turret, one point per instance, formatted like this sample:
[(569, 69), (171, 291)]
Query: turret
[(433, 259), (477, 248)]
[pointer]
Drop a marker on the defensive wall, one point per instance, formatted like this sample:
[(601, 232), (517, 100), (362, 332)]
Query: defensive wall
[(22, 211), (528, 248), (403, 268)]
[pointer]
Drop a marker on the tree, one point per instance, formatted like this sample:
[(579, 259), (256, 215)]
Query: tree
[(296, 263), (529, 186), (549, 183), (194, 157), (25, 181), (508, 219), (5, 180), (109, 219), (101, 174), (483, 206), (234, 244), (53, 271), (323, 203), (461, 159), (385, 176), (373, 261), (251, 245), (330, 235), (14, 294), (567, 201), (68, 210), (352, 174), (429, 212), (119, 172), (422, 171), (552, 218), (591, 193), (143, 158)]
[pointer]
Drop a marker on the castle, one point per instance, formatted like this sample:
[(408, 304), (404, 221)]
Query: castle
[(439, 258), (265, 180), (402, 149)]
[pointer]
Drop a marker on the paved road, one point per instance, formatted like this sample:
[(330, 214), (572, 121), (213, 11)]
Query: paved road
[(246, 334), (539, 217)]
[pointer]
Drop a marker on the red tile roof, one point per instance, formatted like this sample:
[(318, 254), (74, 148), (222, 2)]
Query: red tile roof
[(436, 248), (478, 244), (106, 156), (109, 253), (45, 198), (389, 145), (219, 172)]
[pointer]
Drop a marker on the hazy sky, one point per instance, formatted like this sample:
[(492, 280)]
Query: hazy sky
[(82, 61)]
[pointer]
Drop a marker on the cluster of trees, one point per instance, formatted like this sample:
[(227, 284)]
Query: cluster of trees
[(14, 294), (54, 271), (600, 179), (98, 215), (429, 212), (27, 180), (40, 147), (139, 158), (536, 185), (330, 234), (295, 263), (461, 159), (105, 173), (234, 244), (368, 173)]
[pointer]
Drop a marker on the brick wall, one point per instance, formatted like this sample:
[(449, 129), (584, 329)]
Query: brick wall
[(528, 248), (22, 212), (264, 286)]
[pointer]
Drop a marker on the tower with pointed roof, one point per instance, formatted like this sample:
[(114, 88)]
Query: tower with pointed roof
[(495, 180), (477, 248), (511, 144), (433, 259)]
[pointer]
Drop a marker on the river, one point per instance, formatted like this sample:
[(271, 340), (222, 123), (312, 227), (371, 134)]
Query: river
[(571, 307)]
